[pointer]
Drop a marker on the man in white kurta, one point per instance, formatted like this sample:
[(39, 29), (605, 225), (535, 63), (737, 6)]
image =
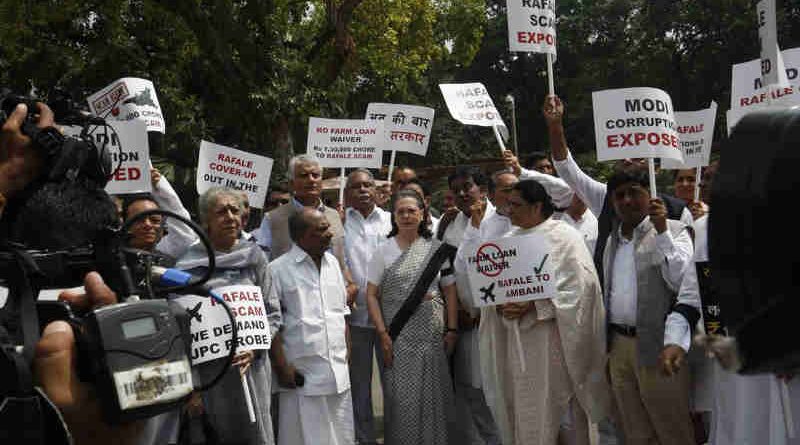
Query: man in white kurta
[(365, 228), (317, 408)]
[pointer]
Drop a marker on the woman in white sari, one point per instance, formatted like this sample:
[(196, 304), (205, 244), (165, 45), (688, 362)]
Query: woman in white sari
[(547, 400), (418, 393)]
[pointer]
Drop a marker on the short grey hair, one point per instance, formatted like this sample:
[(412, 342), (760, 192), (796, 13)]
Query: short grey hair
[(359, 170), (496, 175), (304, 159), (501, 172), (209, 198)]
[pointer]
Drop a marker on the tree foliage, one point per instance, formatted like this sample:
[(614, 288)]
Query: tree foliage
[(249, 73)]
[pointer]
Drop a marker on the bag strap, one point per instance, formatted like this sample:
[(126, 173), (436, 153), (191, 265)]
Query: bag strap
[(420, 288)]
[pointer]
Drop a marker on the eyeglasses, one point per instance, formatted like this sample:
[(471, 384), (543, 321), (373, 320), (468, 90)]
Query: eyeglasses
[(154, 220), (279, 201)]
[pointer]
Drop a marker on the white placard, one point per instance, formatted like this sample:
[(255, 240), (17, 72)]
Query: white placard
[(696, 134), (532, 26), (211, 328), (221, 166), (129, 150), (773, 71), (749, 94), (406, 128), (341, 143), (129, 98), (511, 270), (635, 123), (470, 104)]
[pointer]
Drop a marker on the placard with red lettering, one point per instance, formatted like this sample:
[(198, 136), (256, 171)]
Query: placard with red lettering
[(510, 270), (471, 104), (696, 133), (532, 26), (127, 146), (635, 123), (341, 143), (211, 328), (129, 98), (221, 166), (406, 128), (748, 92)]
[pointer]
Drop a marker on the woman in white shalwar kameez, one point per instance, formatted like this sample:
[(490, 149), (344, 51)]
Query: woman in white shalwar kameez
[(564, 379)]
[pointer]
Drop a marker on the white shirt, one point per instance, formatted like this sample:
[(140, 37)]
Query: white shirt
[(623, 296), (455, 230), (677, 327), (362, 236), (314, 306), (263, 234), (179, 236), (586, 225), (559, 190), (492, 222), (467, 356), (435, 224)]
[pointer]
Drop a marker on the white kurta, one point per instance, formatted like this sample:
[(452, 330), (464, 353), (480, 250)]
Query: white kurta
[(564, 348), (362, 236), (466, 358), (314, 306), (179, 236), (586, 225)]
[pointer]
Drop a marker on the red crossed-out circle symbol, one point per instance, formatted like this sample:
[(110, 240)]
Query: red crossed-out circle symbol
[(485, 257)]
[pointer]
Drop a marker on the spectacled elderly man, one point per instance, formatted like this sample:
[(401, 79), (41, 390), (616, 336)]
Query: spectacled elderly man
[(305, 182)]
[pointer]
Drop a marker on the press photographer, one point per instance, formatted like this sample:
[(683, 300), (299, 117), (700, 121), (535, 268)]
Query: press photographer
[(99, 368), (54, 357)]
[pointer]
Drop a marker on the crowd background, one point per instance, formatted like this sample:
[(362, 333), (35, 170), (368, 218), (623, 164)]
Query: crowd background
[(255, 89)]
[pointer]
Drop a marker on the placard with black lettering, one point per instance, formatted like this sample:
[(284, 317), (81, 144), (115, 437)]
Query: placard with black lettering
[(635, 123), (510, 270), (211, 328)]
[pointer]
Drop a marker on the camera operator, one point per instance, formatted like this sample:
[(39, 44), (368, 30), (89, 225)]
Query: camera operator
[(57, 215), (55, 371), (19, 164)]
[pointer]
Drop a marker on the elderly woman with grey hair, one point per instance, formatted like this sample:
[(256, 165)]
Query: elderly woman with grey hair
[(238, 262)]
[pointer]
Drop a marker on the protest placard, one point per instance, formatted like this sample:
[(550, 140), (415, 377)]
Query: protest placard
[(129, 98), (635, 123), (470, 104), (510, 270), (748, 92), (532, 26), (211, 328), (406, 128), (341, 143), (773, 71), (127, 146), (221, 166), (695, 133)]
